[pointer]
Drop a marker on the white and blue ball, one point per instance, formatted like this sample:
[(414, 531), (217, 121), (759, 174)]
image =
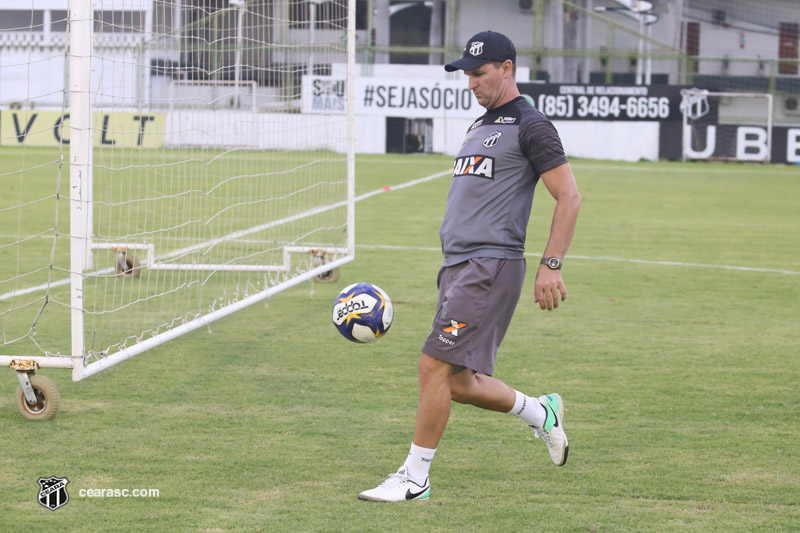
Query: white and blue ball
[(362, 312)]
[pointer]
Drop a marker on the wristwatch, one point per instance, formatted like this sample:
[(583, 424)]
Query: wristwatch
[(553, 263)]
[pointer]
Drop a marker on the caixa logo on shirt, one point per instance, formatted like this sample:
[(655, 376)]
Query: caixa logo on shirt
[(474, 165)]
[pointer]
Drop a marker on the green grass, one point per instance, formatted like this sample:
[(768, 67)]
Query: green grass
[(680, 382)]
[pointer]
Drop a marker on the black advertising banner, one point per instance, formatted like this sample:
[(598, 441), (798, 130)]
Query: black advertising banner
[(742, 142), (786, 144), (710, 139), (605, 102)]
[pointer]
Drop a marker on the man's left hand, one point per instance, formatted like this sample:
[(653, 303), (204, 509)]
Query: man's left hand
[(547, 288)]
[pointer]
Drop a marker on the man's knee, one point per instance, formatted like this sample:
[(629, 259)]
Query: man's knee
[(461, 386), (432, 369)]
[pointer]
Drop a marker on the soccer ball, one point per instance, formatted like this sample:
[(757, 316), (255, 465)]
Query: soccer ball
[(362, 312)]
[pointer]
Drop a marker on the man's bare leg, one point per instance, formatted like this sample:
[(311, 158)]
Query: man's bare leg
[(433, 409), (411, 480), (485, 392)]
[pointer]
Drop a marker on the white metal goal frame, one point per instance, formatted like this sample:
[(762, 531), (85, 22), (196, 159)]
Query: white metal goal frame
[(38, 393), (695, 105)]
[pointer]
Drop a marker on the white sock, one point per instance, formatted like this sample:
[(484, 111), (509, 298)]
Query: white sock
[(418, 463), (528, 409)]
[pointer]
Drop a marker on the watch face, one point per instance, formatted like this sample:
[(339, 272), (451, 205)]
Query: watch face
[(553, 263)]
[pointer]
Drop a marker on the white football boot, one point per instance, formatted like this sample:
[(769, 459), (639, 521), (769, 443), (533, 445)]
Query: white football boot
[(552, 432), (397, 488)]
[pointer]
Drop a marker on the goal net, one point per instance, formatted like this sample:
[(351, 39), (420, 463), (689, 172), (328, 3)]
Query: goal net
[(158, 171), (726, 126)]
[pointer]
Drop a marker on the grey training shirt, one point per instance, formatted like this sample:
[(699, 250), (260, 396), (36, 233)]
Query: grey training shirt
[(494, 176)]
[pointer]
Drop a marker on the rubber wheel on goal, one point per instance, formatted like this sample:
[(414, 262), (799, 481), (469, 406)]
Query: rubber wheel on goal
[(48, 399), (329, 277), (131, 269)]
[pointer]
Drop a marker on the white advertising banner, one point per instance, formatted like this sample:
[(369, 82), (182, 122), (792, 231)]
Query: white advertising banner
[(393, 97), (416, 98)]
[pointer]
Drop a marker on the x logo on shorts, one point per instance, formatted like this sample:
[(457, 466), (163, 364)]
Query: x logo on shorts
[(454, 327)]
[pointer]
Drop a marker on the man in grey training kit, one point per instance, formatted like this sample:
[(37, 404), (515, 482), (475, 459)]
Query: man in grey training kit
[(505, 153)]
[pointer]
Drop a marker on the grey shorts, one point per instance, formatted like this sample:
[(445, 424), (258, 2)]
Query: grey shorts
[(477, 299)]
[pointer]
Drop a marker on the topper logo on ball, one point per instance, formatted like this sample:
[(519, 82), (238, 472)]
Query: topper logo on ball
[(354, 307)]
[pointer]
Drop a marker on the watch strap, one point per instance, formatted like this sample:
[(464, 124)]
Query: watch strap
[(553, 263)]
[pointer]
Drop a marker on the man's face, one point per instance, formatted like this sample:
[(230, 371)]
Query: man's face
[(487, 83)]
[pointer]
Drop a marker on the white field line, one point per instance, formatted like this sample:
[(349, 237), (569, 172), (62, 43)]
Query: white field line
[(711, 169), (243, 233), (237, 234), (682, 264), (20, 292), (411, 183), (614, 259)]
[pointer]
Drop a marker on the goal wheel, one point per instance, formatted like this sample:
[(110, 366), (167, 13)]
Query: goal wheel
[(320, 257), (48, 399), (128, 266), (329, 277)]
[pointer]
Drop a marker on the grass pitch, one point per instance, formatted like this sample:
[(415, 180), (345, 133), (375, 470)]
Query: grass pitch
[(675, 352)]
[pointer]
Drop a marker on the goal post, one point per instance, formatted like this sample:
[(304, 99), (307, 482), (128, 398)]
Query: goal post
[(81, 186), (182, 178), (726, 126)]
